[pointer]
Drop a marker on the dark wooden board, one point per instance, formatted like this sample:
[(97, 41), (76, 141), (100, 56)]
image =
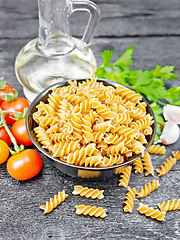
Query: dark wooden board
[(153, 27)]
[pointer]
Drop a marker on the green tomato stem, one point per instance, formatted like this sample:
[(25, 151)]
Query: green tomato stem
[(17, 148)]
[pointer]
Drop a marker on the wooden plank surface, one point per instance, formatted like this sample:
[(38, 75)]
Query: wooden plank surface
[(153, 26)]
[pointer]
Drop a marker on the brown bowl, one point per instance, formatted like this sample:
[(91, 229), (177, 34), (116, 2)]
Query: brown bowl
[(79, 171)]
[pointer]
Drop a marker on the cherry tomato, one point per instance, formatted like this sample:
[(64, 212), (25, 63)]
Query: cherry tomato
[(5, 136), (20, 133), (17, 105), (4, 151), (25, 165), (6, 90)]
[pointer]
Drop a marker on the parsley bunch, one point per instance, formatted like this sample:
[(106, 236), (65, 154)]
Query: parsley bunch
[(150, 83)]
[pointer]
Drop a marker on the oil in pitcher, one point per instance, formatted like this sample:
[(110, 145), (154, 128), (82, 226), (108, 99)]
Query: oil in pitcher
[(56, 56)]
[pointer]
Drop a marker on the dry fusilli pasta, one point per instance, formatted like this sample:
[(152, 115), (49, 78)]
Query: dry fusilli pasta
[(147, 164), (170, 205), (129, 202), (91, 211), (54, 202), (88, 192), (176, 155), (167, 166), (138, 166), (109, 120), (151, 212), (157, 149), (148, 189), (125, 177)]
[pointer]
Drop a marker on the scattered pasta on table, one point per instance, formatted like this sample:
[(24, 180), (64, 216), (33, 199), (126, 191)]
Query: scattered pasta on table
[(54, 202), (129, 202), (148, 189), (91, 211), (125, 176), (151, 212), (170, 205), (167, 166), (88, 192)]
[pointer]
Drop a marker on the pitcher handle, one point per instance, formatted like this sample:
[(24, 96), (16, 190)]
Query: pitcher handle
[(94, 17)]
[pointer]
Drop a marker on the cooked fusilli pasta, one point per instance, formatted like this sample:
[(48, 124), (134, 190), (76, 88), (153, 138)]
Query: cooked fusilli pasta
[(91, 211), (54, 202), (170, 205), (157, 149), (147, 164), (148, 189), (110, 120), (88, 192), (167, 166), (124, 180), (129, 202)]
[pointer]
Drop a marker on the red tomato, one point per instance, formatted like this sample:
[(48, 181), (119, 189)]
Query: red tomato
[(4, 151), (20, 133), (17, 105), (6, 90), (25, 165), (5, 136)]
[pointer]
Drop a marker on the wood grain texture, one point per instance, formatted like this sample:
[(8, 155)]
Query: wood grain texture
[(153, 26)]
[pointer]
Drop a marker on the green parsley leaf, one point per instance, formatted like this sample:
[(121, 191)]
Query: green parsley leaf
[(150, 83)]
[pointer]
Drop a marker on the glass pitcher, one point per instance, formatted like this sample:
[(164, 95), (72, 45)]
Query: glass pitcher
[(56, 56)]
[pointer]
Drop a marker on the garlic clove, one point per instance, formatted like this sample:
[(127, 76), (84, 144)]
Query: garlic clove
[(171, 112), (170, 133)]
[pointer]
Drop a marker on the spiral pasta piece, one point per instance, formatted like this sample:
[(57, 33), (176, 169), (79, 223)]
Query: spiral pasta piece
[(129, 202), (87, 129), (128, 94), (42, 136), (91, 211), (147, 164), (63, 148), (88, 192), (176, 155), (54, 202), (148, 189), (138, 166), (170, 205), (117, 159), (76, 156), (157, 149), (151, 212), (119, 170), (125, 177), (167, 166)]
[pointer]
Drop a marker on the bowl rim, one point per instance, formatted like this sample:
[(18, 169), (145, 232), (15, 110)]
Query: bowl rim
[(65, 83)]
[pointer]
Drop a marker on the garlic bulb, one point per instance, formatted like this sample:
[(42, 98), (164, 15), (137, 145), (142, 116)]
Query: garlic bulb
[(171, 112), (170, 133)]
